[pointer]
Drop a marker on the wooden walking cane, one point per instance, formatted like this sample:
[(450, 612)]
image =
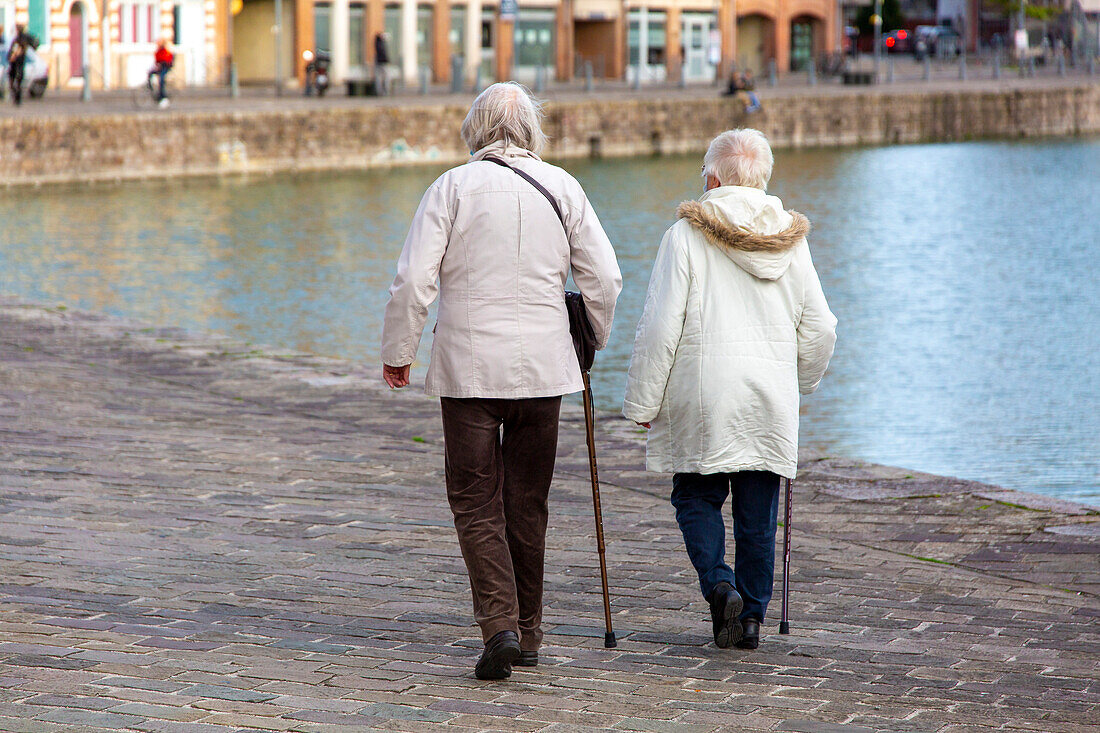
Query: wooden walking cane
[(784, 626), (609, 635)]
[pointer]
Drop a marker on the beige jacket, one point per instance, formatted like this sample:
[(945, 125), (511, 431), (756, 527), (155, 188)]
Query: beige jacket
[(735, 325), (492, 248)]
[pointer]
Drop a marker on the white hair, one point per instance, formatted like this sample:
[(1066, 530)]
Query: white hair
[(504, 112), (740, 157)]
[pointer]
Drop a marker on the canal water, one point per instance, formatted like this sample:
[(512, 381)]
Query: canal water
[(966, 278)]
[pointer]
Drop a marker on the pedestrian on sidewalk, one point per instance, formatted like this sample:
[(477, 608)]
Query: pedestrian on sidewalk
[(493, 248), (17, 61), (735, 325), (381, 62)]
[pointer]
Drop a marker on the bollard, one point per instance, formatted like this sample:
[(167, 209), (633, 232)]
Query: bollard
[(811, 74), (456, 74), (927, 68), (997, 64), (234, 86), (86, 92), (477, 81), (890, 70), (1092, 65), (588, 76), (1061, 65), (540, 83), (773, 73), (637, 77), (1031, 66), (962, 67)]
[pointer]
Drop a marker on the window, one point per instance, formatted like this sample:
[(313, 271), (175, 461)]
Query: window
[(38, 20), (138, 22), (322, 18), (356, 31), (534, 38)]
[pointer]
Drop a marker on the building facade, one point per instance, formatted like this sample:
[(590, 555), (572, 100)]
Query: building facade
[(658, 40), (661, 40), (116, 39)]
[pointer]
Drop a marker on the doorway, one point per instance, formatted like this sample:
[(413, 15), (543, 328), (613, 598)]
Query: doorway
[(700, 46), (190, 39), (76, 41)]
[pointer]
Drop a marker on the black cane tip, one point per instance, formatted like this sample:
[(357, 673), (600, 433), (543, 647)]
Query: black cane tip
[(609, 640), (784, 627)]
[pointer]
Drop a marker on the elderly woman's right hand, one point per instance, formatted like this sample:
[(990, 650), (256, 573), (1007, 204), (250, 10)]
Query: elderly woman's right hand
[(396, 377)]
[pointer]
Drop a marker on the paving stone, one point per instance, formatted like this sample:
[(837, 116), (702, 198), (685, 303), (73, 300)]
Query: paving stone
[(201, 531)]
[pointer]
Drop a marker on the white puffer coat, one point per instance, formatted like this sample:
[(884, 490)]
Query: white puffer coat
[(735, 326), (493, 249)]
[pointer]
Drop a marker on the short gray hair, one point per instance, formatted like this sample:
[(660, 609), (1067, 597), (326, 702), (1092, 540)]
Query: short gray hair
[(504, 112), (740, 157)]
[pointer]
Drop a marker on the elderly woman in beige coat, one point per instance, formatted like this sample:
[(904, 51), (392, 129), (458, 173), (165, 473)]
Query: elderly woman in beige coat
[(735, 325), (493, 248)]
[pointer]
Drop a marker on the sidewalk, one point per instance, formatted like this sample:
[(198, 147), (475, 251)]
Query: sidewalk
[(198, 535), (908, 78)]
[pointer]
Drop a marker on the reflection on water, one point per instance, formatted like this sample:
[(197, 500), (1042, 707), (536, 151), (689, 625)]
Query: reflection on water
[(964, 277)]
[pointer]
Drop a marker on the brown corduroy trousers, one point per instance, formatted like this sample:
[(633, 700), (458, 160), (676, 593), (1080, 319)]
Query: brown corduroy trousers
[(500, 462)]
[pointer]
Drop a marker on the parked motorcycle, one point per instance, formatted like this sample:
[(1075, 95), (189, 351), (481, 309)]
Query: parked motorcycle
[(317, 79)]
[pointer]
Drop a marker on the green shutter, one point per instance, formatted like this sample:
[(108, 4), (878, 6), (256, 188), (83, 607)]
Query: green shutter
[(39, 25)]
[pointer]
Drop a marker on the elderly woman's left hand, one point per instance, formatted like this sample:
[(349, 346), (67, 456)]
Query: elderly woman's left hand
[(396, 377)]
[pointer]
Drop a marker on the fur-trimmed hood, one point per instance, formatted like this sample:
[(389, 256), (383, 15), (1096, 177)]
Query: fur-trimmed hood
[(749, 226)]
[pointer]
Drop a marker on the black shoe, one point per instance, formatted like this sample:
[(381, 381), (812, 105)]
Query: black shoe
[(496, 660), (725, 606), (527, 659), (750, 639)]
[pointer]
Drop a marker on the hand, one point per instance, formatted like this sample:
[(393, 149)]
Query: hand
[(645, 425), (396, 377)]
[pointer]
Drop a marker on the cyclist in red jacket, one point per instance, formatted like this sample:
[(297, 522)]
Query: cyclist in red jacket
[(162, 65)]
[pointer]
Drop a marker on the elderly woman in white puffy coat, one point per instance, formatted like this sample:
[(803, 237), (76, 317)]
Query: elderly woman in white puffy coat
[(735, 325)]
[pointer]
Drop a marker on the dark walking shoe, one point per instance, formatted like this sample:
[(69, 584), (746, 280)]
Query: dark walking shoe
[(496, 660), (750, 638), (527, 659), (725, 606)]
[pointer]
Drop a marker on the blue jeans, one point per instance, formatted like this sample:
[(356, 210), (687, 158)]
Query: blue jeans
[(698, 499)]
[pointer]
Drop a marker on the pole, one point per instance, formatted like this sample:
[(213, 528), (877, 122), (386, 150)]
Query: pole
[(877, 20), (609, 637), (784, 625), (234, 88), (278, 48)]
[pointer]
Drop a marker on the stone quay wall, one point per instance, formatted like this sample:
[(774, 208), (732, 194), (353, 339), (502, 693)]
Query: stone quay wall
[(111, 147)]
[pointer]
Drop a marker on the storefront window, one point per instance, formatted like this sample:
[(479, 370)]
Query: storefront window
[(424, 35), (322, 18), (356, 29), (535, 38), (655, 37)]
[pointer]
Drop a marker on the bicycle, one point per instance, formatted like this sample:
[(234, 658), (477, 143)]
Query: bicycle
[(147, 96)]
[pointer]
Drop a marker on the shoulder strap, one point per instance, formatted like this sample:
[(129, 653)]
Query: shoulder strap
[(541, 189)]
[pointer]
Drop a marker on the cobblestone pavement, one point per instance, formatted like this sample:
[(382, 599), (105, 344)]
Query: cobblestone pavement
[(198, 535)]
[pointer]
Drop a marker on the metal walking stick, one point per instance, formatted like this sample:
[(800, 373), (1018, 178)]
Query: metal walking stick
[(784, 626), (609, 635)]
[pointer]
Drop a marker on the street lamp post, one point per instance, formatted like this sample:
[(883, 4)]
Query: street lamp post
[(278, 29), (876, 19)]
